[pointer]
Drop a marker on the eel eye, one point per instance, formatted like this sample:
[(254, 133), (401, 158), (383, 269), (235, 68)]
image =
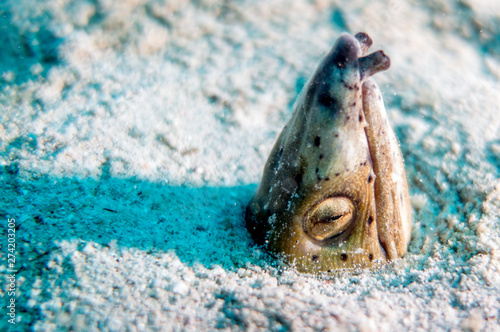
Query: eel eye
[(330, 218)]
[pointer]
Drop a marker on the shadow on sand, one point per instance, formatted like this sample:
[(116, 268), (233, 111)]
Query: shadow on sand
[(200, 225)]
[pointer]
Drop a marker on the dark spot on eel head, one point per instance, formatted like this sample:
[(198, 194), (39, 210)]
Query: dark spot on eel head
[(320, 156), (360, 117), (315, 258), (343, 257), (280, 153), (370, 179), (298, 179), (317, 141), (336, 135), (327, 179), (370, 220), (326, 100), (370, 257)]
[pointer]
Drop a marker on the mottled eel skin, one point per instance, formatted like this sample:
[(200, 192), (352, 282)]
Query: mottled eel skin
[(333, 193)]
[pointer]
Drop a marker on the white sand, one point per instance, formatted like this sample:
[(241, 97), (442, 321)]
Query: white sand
[(133, 134)]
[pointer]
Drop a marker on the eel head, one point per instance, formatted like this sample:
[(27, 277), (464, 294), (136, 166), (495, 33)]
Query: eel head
[(333, 194)]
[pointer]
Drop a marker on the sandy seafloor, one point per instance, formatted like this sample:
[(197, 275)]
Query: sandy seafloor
[(133, 133)]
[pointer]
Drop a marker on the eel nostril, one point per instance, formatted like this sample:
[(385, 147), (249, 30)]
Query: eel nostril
[(364, 40)]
